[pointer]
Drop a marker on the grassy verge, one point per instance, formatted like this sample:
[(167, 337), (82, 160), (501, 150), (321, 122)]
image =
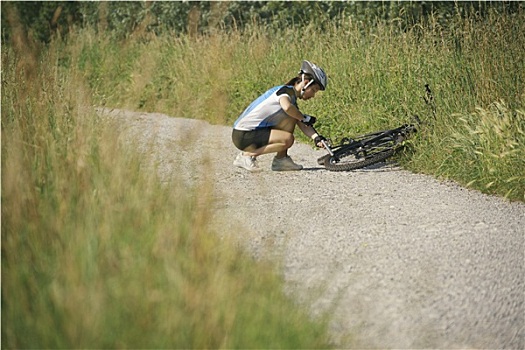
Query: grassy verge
[(96, 253), (377, 76)]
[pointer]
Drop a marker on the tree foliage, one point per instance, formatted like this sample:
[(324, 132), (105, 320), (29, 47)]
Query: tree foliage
[(45, 19)]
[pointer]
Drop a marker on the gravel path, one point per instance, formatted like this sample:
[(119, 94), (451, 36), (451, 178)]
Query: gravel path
[(399, 260)]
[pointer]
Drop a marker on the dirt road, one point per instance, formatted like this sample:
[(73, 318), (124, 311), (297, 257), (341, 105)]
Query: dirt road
[(399, 260)]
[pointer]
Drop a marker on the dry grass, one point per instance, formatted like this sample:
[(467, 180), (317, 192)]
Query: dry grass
[(95, 251)]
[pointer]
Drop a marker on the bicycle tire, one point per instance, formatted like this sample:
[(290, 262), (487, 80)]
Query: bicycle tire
[(346, 142), (361, 154)]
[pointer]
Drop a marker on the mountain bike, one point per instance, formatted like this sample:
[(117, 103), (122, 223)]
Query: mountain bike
[(364, 150)]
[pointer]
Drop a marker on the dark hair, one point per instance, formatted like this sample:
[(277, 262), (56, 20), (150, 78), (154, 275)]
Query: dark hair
[(298, 78), (292, 81)]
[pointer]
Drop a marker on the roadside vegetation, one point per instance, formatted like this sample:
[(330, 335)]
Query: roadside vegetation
[(96, 253), (378, 65)]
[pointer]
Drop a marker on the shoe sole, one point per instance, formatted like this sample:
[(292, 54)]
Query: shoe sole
[(251, 170), (288, 169)]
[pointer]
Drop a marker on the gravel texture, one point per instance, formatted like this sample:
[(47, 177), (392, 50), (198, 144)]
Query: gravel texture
[(396, 259)]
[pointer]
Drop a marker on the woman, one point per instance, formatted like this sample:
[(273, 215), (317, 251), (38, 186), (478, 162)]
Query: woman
[(268, 124)]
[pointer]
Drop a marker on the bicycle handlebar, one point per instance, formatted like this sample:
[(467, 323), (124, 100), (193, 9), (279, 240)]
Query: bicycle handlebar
[(327, 147)]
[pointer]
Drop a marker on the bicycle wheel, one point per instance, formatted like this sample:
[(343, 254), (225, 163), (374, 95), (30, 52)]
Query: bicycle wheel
[(361, 154), (350, 141)]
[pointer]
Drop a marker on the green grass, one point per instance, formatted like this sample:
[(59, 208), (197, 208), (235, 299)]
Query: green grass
[(377, 75), (96, 252)]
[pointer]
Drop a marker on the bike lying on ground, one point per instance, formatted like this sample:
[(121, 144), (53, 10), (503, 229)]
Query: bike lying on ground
[(365, 150)]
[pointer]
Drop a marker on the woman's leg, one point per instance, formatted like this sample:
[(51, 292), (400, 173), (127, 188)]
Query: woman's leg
[(281, 139)]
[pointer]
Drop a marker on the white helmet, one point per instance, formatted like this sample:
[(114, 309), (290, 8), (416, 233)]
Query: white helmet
[(318, 74)]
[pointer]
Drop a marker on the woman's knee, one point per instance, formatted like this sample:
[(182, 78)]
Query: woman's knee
[(288, 142), (284, 138)]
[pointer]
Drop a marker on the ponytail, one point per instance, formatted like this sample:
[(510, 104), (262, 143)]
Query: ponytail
[(298, 78), (293, 81)]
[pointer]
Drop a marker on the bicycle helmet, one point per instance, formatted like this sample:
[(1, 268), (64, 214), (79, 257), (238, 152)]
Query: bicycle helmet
[(316, 72)]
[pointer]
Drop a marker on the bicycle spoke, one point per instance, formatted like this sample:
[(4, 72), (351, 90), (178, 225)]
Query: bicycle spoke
[(362, 154)]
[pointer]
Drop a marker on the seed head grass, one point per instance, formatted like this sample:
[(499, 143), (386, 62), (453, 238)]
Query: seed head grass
[(97, 252)]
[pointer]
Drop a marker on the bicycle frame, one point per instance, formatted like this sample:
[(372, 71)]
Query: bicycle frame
[(365, 139), (372, 147)]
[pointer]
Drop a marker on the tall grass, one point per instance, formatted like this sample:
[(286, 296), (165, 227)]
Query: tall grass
[(96, 253), (377, 75)]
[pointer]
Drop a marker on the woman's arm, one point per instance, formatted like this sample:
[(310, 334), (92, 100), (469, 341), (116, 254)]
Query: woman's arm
[(307, 130), (289, 108), (293, 112)]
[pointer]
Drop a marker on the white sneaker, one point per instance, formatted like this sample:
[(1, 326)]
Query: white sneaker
[(285, 164), (247, 162)]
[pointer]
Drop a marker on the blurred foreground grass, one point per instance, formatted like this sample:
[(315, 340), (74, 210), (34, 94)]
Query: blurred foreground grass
[(97, 253)]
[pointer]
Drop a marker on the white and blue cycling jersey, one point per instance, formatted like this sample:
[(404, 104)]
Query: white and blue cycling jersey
[(265, 111)]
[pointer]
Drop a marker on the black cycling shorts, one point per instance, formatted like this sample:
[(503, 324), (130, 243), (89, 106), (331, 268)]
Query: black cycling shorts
[(251, 139)]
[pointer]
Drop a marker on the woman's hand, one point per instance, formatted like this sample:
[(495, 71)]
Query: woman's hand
[(318, 140)]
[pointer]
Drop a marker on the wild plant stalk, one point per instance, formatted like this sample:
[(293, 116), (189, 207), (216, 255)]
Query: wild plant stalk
[(95, 252), (377, 76)]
